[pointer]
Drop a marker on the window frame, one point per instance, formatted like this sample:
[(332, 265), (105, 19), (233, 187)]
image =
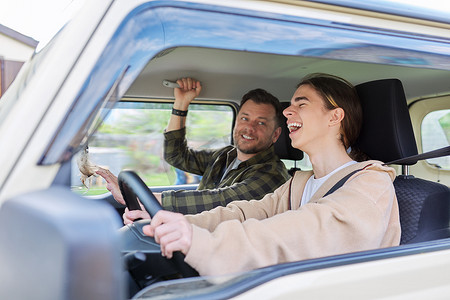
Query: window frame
[(418, 110), (155, 188)]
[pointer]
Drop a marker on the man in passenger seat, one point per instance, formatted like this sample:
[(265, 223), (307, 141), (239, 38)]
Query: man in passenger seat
[(249, 169)]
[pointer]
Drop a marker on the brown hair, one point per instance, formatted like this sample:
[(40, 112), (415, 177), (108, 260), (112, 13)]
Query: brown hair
[(338, 92), (261, 96)]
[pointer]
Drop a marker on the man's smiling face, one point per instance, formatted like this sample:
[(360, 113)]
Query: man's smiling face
[(256, 128)]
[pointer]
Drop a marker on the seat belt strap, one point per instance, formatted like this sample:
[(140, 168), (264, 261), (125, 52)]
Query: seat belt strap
[(403, 161), (411, 160), (341, 182)]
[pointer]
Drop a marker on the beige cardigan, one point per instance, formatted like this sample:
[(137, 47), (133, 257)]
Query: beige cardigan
[(244, 235)]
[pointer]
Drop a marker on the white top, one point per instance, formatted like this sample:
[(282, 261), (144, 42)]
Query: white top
[(312, 185)]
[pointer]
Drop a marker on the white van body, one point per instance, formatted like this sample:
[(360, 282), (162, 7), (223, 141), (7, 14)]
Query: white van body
[(117, 50)]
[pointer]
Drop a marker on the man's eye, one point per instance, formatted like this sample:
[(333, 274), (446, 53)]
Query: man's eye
[(244, 119), (261, 123)]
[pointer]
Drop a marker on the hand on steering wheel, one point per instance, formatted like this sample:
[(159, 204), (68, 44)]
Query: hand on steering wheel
[(130, 216), (172, 231), (132, 187)]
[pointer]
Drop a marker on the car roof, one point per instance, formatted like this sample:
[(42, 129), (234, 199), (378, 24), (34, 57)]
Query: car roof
[(227, 74), (227, 71), (418, 10)]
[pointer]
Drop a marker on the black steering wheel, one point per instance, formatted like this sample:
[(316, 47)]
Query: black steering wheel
[(132, 187)]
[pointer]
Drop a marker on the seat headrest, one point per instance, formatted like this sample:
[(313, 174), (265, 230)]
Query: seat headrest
[(283, 147), (387, 132)]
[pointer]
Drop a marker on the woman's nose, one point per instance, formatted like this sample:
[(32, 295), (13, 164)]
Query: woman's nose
[(287, 111)]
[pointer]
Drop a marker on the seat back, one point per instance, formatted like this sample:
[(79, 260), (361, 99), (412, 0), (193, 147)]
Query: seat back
[(387, 135), (57, 245), (283, 146)]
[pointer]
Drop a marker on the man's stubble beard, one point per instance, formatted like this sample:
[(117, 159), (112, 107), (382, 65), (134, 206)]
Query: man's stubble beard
[(253, 150)]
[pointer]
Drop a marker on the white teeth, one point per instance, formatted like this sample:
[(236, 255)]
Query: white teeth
[(294, 126), (247, 137)]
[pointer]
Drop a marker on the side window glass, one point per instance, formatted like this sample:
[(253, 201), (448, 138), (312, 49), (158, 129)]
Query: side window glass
[(131, 137), (435, 131)]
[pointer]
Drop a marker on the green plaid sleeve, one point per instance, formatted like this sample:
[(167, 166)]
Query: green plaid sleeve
[(179, 155), (256, 181)]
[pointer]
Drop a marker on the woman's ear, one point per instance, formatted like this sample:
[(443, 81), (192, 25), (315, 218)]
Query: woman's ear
[(337, 115)]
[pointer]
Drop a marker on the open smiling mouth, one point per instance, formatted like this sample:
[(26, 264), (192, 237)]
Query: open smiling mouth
[(246, 137), (294, 126)]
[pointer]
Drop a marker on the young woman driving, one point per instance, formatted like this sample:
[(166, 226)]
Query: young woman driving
[(297, 221)]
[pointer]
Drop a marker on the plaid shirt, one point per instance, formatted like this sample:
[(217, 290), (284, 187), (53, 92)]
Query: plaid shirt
[(252, 179)]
